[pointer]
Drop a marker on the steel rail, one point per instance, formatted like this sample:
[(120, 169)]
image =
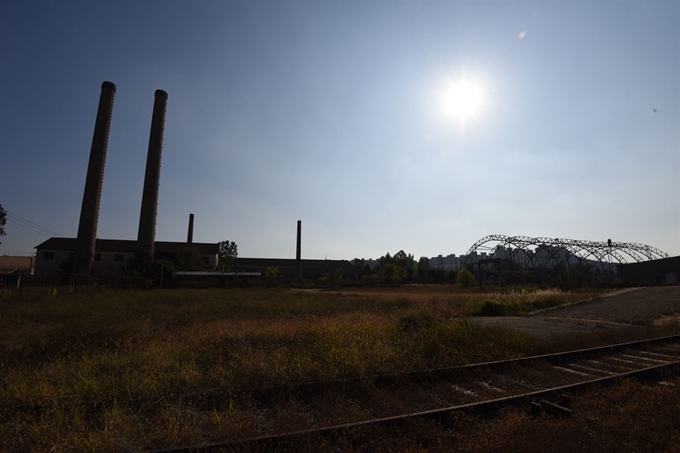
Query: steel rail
[(480, 406), (486, 406)]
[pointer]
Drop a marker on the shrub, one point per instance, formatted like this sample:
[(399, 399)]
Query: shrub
[(271, 273), (465, 278), (369, 280), (392, 275), (491, 307)]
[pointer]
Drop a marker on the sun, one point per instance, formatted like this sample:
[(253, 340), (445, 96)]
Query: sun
[(462, 100)]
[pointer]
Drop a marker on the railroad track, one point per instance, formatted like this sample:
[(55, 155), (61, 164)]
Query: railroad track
[(542, 382)]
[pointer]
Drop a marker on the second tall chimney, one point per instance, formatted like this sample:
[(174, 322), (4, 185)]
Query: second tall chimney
[(147, 217), (190, 234), (89, 211), (298, 254)]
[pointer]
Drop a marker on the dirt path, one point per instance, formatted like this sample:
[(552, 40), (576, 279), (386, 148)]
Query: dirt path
[(627, 307)]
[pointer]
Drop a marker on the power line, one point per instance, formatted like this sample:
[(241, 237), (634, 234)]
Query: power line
[(18, 220), (31, 224), (29, 228)]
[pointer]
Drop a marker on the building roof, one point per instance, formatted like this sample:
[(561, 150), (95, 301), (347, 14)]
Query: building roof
[(9, 264), (127, 246)]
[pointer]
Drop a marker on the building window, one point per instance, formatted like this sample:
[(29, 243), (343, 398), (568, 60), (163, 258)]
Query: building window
[(48, 256), (118, 257), (97, 256)]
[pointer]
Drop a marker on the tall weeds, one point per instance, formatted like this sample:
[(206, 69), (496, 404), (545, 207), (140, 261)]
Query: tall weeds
[(522, 302), (133, 370)]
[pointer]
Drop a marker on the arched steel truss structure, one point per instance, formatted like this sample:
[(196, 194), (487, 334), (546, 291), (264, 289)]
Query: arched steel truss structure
[(549, 252)]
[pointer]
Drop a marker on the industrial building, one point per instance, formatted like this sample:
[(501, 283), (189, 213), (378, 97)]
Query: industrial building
[(112, 256), (665, 271), (88, 255)]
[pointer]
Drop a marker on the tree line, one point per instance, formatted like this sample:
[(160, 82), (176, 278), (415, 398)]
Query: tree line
[(402, 268)]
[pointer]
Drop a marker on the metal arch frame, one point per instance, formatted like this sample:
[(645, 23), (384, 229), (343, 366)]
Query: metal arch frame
[(586, 252)]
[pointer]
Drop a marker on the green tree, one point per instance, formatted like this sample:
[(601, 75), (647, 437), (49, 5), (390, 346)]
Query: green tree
[(369, 280), (465, 278), (360, 267), (423, 266), (392, 275), (405, 261), (163, 272), (271, 275), (435, 275), (228, 255), (385, 259), (189, 258), (3, 221)]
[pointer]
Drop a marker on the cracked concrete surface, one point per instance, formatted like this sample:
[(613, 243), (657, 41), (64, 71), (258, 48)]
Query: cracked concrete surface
[(632, 306)]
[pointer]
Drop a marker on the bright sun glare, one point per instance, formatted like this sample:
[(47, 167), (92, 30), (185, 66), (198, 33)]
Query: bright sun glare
[(463, 100)]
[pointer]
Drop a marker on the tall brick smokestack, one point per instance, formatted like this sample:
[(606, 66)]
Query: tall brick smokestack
[(147, 218), (298, 254), (89, 211), (190, 234)]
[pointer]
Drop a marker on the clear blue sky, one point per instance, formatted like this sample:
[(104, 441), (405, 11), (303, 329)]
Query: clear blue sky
[(329, 111)]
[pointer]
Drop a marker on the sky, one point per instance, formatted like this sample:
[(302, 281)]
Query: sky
[(333, 112)]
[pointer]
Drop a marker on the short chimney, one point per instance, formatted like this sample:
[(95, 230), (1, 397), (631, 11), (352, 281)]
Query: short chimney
[(190, 234), (298, 254)]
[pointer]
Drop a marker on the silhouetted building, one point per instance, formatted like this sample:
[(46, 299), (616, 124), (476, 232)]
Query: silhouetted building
[(112, 256), (664, 271)]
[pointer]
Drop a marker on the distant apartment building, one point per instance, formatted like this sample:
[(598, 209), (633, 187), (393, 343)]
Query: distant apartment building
[(546, 257), (453, 263), (448, 263)]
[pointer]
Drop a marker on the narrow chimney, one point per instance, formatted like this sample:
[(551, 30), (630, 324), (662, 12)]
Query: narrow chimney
[(89, 211), (190, 235), (298, 255), (152, 177)]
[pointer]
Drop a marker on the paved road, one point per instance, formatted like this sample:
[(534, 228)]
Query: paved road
[(638, 306)]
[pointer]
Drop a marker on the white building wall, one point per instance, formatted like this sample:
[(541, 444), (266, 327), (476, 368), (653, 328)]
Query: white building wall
[(111, 263), (48, 261), (105, 263)]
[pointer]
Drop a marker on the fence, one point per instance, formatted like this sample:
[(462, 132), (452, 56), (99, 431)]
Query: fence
[(55, 284)]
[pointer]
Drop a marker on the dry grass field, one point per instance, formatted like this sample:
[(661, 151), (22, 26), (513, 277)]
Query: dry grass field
[(628, 417), (134, 370)]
